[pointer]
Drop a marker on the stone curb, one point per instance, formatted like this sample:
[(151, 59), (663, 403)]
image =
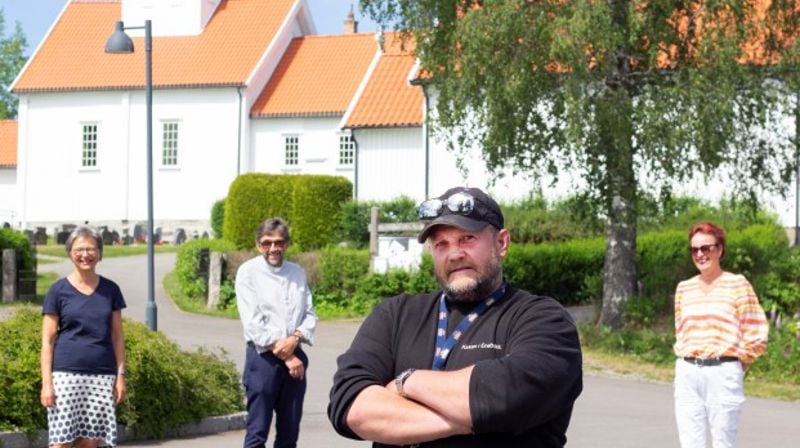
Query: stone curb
[(207, 425)]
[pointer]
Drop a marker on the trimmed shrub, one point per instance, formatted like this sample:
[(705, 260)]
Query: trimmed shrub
[(218, 218), (187, 263), (317, 202), (166, 387), (559, 270), (11, 239), (252, 198)]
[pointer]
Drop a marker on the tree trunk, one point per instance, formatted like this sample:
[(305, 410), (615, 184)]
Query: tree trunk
[(619, 270)]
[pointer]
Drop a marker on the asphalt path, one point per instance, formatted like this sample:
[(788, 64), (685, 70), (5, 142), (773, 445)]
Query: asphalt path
[(612, 412)]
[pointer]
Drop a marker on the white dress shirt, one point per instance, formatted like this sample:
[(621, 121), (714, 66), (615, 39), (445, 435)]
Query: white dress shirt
[(274, 302)]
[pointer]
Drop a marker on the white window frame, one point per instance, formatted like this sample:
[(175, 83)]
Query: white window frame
[(90, 146), (291, 150), (170, 155), (347, 150)]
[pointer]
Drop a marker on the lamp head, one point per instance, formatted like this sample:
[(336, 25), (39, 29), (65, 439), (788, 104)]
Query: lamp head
[(119, 42)]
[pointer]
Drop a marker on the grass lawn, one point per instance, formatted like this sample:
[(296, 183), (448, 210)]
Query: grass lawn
[(190, 304), (603, 363), (57, 250)]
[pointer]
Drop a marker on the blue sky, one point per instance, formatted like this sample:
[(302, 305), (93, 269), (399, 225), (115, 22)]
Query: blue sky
[(36, 16)]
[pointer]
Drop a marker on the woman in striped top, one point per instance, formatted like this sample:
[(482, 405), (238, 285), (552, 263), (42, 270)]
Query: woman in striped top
[(720, 329)]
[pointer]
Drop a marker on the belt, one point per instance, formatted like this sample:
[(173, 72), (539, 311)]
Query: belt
[(702, 362)]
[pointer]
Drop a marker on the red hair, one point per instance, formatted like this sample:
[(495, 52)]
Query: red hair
[(712, 229)]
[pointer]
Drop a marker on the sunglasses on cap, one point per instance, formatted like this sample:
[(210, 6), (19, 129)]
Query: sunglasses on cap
[(461, 203), (705, 249)]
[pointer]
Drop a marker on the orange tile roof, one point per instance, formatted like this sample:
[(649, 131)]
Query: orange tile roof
[(388, 99), (225, 53), (317, 76), (8, 143)]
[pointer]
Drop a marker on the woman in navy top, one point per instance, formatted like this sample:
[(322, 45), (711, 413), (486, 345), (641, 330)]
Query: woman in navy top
[(83, 351)]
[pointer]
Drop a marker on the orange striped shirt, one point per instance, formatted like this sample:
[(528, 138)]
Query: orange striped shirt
[(725, 321)]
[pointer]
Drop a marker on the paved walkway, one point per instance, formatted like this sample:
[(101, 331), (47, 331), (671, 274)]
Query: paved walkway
[(611, 412)]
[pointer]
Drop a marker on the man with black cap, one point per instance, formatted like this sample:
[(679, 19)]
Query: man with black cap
[(478, 364)]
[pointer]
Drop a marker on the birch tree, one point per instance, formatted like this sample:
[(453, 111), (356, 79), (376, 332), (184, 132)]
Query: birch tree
[(631, 95)]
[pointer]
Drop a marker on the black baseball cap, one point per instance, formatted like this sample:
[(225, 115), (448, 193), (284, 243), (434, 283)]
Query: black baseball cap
[(454, 208)]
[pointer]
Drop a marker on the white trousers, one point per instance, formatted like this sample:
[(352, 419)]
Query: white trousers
[(708, 398)]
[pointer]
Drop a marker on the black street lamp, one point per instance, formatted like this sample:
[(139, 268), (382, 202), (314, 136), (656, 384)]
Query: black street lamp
[(119, 42)]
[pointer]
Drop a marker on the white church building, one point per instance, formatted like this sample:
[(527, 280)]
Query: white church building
[(239, 86)]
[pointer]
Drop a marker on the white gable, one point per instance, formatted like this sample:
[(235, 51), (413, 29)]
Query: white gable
[(174, 17)]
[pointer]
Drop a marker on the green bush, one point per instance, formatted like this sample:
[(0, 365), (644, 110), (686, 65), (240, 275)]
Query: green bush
[(355, 217), (535, 220), (317, 202), (166, 387), (11, 239), (347, 288), (559, 270), (218, 218), (252, 198), (187, 263), (781, 362)]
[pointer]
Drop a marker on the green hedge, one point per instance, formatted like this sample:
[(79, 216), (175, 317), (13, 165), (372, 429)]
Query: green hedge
[(187, 262), (572, 271), (11, 239), (166, 387), (310, 203), (317, 202), (218, 218), (252, 198)]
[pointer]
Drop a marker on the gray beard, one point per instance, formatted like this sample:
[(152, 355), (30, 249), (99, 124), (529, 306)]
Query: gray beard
[(474, 294), (478, 290)]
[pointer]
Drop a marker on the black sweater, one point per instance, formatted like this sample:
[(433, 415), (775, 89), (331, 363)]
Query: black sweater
[(527, 361)]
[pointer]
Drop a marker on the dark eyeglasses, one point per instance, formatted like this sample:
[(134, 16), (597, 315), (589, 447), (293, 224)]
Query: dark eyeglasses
[(705, 249), (267, 244), (461, 203)]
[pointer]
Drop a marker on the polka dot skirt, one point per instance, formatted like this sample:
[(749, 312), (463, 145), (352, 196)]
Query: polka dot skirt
[(84, 409)]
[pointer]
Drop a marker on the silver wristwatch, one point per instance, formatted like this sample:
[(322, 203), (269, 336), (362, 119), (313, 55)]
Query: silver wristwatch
[(400, 380)]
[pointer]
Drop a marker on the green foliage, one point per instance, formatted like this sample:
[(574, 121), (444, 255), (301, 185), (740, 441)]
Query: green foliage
[(12, 59), (347, 288), (559, 270), (187, 263), (11, 239), (311, 205), (166, 387), (536, 220), (781, 362), (252, 198), (20, 377), (355, 217), (317, 201), (218, 218), (653, 345)]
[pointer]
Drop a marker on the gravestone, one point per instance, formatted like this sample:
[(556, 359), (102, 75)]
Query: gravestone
[(40, 236), (180, 236)]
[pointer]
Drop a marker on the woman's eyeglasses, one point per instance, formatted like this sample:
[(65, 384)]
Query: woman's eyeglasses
[(85, 250), (705, 249), (461, 203)]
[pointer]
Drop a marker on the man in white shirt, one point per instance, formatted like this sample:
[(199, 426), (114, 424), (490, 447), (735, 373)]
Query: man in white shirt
[(277, 314)]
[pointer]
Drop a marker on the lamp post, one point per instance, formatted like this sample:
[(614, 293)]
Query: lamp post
[(119, 42)]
